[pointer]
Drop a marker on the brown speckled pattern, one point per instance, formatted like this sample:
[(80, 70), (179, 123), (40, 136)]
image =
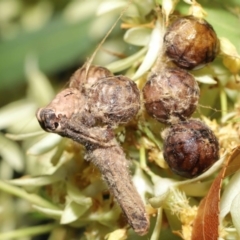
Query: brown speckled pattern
[(191, 42), (171, 95), (190, 148), (114, 100)]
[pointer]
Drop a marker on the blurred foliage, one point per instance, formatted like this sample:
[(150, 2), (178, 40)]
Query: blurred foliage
[(42, 43), (59, 37)]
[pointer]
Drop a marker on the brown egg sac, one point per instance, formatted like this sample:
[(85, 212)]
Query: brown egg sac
[(114, 100), (65, 104), (171, 95), (94, 74), (191, 42), (190, 148)]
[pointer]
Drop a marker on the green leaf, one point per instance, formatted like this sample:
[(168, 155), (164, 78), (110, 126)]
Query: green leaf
[(23, 136), (36, 181), (138, 36), (126, 62), (206, 79), (196, 189), (235, 213), (73, 211), (25, 233), (32, 198), (56, 214), (45, 144), (77, 196), (15, 112), (40, 89), (142, 183), (109, 6), (216, 166), (162, 187), (11, 153), (230, 192), (154, 47), (56, 46)]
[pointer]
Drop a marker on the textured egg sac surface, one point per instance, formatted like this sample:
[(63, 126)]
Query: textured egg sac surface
[(66, 103), (79, 79), (190, 148), (114, 100), (171, 95), (191, 42)]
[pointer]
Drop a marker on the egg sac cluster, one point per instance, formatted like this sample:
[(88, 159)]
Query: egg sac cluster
[(171, 96)]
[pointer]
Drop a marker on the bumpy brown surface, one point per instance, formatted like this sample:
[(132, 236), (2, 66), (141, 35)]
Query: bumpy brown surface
[(113, 165), (79, 79), (114, 100), (87, 113), (191, 42), (190, 148), (171, 95)]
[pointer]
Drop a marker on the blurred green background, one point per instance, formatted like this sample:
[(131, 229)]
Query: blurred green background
[(59, 35)]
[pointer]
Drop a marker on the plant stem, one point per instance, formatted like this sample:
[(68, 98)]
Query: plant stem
[(223, 99), (144, 128), (158, 225), (27, 232), (32, 198), (143, 163)]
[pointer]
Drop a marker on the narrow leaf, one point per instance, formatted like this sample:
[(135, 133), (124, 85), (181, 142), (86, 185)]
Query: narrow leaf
[(109, 6), (126, 62), (23, 136), (26, 233), (77, 196), (56, 214), (11, 153), (138, 36), (230, 192), (72, 212), (40, 88), (235, 213), (206, 223), (45, 144), (205, 79), (155, 44), (15, 111), (36, 181)]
